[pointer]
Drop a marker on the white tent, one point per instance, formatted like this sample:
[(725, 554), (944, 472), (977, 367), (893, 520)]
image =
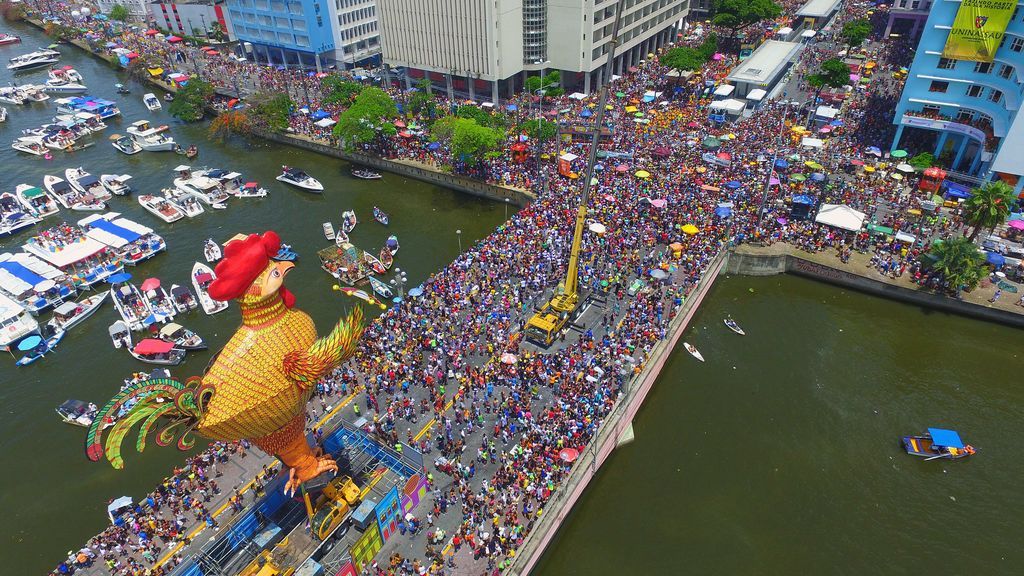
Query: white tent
[(812, 142), (568, 157), (729, 105), (756, 95), (840, 216), (724, 90), (784, 31), (677, 74), (826, 112), (577, 95), (325, 122), (808, 34), (904, 237)]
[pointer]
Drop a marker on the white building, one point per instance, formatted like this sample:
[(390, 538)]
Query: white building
[(495, 43), (191, 17), (137, 8)]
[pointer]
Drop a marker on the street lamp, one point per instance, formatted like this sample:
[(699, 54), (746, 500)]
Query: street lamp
[(506, 208), (458, 233), (399, 281)]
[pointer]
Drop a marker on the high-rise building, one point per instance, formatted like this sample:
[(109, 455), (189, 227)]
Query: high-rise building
[(308, 33), (136, 8), (962, 96), (489, 45), (191, 17), (907, 17)]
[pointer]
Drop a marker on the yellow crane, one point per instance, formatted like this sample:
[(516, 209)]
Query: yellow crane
[(544, 326)]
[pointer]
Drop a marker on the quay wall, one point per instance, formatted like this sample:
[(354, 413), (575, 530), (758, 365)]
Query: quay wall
[(751, 262), (618, 421)]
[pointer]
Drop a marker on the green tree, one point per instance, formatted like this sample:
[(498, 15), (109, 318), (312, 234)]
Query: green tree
[(988, 207), (368, 118), (922, 161), (833, 73), (738, 15), (216, 32), (550, 83), (272, 110), (119, 13), (473, 143), (422, 100), (855, 32), (960, 262), (190, 102), (709, 46), (682, 59), (473, 113), (337, 90), (11, 11), (544, 129)]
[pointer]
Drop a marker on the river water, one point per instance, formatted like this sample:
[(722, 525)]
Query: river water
[(779, 455), (51, 497)]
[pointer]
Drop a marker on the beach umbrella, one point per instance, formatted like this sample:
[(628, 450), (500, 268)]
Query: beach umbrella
[(692, 124), (586, 113), (905, 168), (690, 229), (29, 343), (658, 202), (899, 154), (734, 184), (896, 176), (593, 181), (718, 56), (568, 454), (782, 221), (621, 168), (508, 358), (813, 165), (642, 174), (773, 181), (993, 258), (723, 211), (620, 94), (793, 157), (711, 143), (781, 164), (798, 177), (701, 169), (417, 291), (1016, 224), (817, 177), (597, 228), (869, 169), (119, 277), (150, 284), (875, 150), (659, 274), (857, 162)]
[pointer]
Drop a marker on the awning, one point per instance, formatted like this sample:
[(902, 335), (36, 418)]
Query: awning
[(840, 216), (724, 90), (902, 236), (325, 122), (756, 95), (826, 112), (155, 71), (577, 96), (946, 438), (785, 31), (153, 346), (812, 142), (880, 229)]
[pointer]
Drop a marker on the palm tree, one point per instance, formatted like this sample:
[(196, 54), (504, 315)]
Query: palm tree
[(988, 207), (960, 262)]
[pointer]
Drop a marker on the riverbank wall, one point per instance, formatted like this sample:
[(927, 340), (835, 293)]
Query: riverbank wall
[(783, 259), (615, 425)]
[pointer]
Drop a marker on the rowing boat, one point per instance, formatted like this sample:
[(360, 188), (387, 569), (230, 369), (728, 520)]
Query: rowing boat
[(693, 351), (734, 326)]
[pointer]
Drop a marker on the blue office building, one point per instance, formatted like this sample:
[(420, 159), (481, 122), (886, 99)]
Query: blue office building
[(965, 112)]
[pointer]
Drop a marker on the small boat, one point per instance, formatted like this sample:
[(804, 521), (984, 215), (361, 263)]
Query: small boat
[(187, 203), (693, 351), (33, 60), (361, 294), (181, 337), (71, 314), (119, 334), (77, 413), (130, 305), (937, 443), (212, 251), (340, 238), (202, 276), (734, 326), (3, 114), (161, 208), (329, 231), (374, 263), (286, 253), (12, 95), (191, 152), (60, 190), (152, 102), (13, 216), (86, 183), (168, 97), (155, 351), (151, 138), (250, 190), (7, 39), (65, 74), (348, 221), (219, 206), (159, 303), (50, 337), (386, 258), (34, 93), (381, 288), (36, 200), (183, 299), (30, 145), (122, 89), (57, 87), (380, 216), (365, 174), (116, 184), (392, 244), (297, 177), (125, 144)]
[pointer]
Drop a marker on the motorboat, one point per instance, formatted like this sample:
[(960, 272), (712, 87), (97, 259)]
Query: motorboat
[(131, 306), (732, 325), (380, 216), (70, 197), (12, 95), (30, 145), (77, 413), (693, 351), (181, 337), (374, 263), (36, 200), (159, 303), (191, 152), (63, 139), (65, 74), (202, 277), (119, 334), (249, 190), (348, 221), (155, 351), (381, 288), (89, 120), (13, 216), (71, 314), (33, 60), (938, 443), (55, 87), (212, 251), (34, 93), (209, 190), (329, 231), (34, 283), (298, 178), (161, 208), (365, 174), (65, 105), (152, 102), (340, 238), (15, 321), (183, 299), (8, 39), (48, 340), (122, 89), (184, 201), (3, 114), (132, 242), (116, 184), (392, 244), (149, 138), (86, 183), (125, 144)]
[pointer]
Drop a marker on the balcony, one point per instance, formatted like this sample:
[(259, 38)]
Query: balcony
[(980, 130)]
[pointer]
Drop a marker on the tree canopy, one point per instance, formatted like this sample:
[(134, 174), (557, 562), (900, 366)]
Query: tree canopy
[(543, 129), (190, 101), (832, 73), (271, 110), (855, 32), (337, 90), (922, 161), (119, 13), (988, 207), (683, 58), (369, 117), (960, 262), (422, 100), (551, 83), (470, 142), (737, 15)]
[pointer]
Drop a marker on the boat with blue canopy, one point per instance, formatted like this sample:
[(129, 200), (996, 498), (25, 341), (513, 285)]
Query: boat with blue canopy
[(938, 443)]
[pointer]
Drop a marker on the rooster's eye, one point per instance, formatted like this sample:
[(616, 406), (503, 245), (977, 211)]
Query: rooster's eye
[(276, 273)]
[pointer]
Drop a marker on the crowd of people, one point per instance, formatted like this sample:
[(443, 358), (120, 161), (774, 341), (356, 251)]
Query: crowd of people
[(507, 416)]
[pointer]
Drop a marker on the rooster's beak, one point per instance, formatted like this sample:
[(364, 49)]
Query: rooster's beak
[(284, 267)]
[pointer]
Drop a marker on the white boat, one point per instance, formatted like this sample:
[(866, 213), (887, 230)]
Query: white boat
[(149, 138), (210, 190), (130, 304), (71, 314), (125, 144), (86, 183), (161, 208), (340, 238), (693, 351), (36, 200), (92, 121), (181, 337), (65, 106), (12, 95), (185, 202), (212, 251), (202, 276), (120, 337), (15, 321), (392, 244), (155, 351), (63, 140), (734, 326), (34, 93), (65, 74), (77, 413), (30, 145), (152, 102), (54, 87), (6, 39), (348, 221), (297, 177), (329, 231), (157, 300), (34, 283), (116, 184), (249, 190), (3, 114), (365, 174), (380, 288), (50, 339), (13, 215), (183, 299), (33, 60), (69, 197)]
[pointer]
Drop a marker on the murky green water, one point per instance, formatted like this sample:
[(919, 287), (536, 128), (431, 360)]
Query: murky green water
[(779, 455), (53, 499)]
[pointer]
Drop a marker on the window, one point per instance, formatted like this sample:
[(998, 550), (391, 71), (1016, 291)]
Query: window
[(947, 63), (974, 91), (983, 67), (938, 86), (965, 116), (930, 109), (995, 95), (1017, 45), (1005, 71)]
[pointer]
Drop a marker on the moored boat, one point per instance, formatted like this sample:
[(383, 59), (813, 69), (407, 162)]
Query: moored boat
[(202, 277), (33, 60), (734, 326), (159, 303), (77, 413), (151, 101), (392, 244), (381, 288), (30, 145), (249, 190), (36, 200), (130, 305), (155, 351), (298, 178), (116, 184), (386, 258), (34, 283), (13, 216), (131, 241), (86, 183), (212, 251), (183, 299), (71, 314), (380, 216), (348, 221), (693, 351), (181, 337), (125, 144), (374, 263), (151, 138), (48, 341), (17, 322), (119, 334), (7, 39), (161, 208), (184, 201), (938, 443), (329, 231), (365, 174)]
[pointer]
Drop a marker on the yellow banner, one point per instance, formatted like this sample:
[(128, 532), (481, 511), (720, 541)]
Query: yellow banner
[(978, 29)]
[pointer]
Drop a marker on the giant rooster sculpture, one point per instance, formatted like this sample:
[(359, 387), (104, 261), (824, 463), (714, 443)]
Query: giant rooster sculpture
[(259, 383)]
